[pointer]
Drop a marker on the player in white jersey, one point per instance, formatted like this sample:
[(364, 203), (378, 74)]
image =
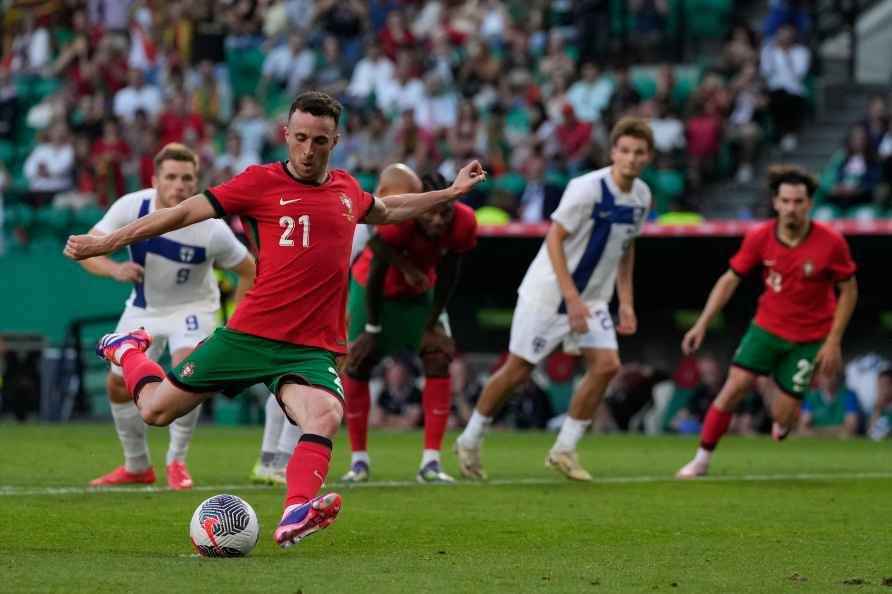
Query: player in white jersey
[(175, 297), (565, 294)]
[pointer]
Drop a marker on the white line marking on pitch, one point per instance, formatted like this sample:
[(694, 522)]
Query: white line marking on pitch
[(17, 491)]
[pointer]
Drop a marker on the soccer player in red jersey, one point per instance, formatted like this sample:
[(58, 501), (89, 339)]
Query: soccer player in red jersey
[(401, 284), (290, 327), (800, 319)]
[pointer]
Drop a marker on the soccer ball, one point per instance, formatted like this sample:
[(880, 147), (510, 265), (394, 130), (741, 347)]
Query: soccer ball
[(224, 526)]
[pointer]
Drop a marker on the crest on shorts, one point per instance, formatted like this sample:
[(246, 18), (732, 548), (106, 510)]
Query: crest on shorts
[(808, 268), (538, 344), (188, 369), (348, 206)]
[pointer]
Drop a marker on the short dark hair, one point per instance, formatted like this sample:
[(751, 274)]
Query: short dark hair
[(634, 127), (174, 151), (433, 181), (793, 175), (318, 104)]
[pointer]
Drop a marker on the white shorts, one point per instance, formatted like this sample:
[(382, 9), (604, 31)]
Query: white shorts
[(176, 330), (536, 331)]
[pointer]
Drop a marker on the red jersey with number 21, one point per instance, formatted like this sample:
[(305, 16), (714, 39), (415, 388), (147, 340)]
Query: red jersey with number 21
[(800, 281), (301, 235)]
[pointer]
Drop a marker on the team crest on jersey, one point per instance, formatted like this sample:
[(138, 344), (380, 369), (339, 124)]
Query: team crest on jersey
[(187, 254), (188, 369), (348, 206), (808, 268)]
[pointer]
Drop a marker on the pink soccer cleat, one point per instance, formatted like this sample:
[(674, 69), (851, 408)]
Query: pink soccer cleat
[(112, 346), (178, 477), (300, 521), (122, 476)]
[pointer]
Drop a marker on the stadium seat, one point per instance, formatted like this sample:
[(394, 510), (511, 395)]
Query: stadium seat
[(667, 186), (510, 182), (84, 218), (52, 222), (367, 181), (826, 212)]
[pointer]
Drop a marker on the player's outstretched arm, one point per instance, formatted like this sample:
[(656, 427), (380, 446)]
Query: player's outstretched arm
[(190, 211), (721, 292), (402, 207), (126, 272), (829, 359)]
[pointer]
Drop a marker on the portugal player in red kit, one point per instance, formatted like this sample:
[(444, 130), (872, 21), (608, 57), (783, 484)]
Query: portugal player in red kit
[(290, 327), (800, 319)]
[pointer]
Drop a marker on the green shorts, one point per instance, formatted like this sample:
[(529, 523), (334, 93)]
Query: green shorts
[(403, 320), (790, 363), (229, 361)]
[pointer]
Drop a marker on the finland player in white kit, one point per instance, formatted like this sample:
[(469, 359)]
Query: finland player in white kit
[(175, 297), (564, 297)]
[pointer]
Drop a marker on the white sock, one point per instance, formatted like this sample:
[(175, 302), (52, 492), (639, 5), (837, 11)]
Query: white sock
[(702, 456), (428, 456), (476, 429), (132, 433), (287, 443), (360, 457), (273, 419), (571, 432), (181, 434)]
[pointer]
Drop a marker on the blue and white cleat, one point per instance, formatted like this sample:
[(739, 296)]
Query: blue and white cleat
[(112, 346), (432, 474), (300, 521), (358, 473)]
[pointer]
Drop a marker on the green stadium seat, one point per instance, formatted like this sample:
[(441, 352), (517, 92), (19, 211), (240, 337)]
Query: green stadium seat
[(54, 222), (667, 186), (18, 216), (367, 181), (510, 182), (645, 85), (84, 218), (826, 212), (865, 212)]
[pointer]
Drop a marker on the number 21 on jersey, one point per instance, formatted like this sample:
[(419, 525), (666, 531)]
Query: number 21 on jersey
[(287, 225)]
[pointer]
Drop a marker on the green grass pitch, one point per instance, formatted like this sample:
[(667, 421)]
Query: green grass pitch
[(800, 516)]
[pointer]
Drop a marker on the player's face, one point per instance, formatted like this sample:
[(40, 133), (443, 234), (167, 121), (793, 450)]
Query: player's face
[(175, 181), (310, 140), (435, 222), (792, 205), (630, 155)]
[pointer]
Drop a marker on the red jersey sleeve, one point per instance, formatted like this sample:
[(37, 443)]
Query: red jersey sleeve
[(464, 230), (750, 253), (842, 267), (363, 204), (239, 193)]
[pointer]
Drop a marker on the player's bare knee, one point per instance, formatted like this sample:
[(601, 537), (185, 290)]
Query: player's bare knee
[(606, 366), (327, 421), (156, 417), (436, 363)]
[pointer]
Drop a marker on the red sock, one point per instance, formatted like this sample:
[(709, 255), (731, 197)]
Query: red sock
[(714, 426), (357, 402), (139, 370), (436, 399), (307, 468)]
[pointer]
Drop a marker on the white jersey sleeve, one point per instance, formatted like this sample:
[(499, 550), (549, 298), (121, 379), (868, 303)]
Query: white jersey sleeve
[(225, 249), (576, 204)]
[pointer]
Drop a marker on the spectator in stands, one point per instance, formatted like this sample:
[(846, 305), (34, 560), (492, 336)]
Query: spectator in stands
[(830, 408), (703, 130), (668, 130), (402, 92), (287, 66), (480, 69), (590, 95), (9, 105), (178, 123), (137, 95), (371, 72), (346, 20), (795, 14), (650, 18), (30, 51), (574, 137), (332, 73), (539, 197), (877, 121), (395, 36), (251, 126), (556, 63), (235, 159), (377, 141), (858, 174), (210, 97), (109, 153), (143, 141), (625, 97), (739, 50), (744, 131), (437, 111), (784, 65), (49, 167)]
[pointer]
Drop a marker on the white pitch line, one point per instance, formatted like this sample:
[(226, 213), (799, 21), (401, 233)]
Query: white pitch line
[(20, 491)]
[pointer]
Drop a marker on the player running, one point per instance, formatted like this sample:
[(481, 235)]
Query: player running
[(401, 285), (175, 298), (592, 234), (290, 327), (799, 322)]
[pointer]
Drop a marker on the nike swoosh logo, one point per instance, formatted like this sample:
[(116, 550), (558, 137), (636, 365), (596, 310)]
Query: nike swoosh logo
[(283, 202)]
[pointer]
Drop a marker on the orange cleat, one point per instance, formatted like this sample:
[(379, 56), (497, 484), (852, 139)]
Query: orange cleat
[(178, 476), (122, 476)]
